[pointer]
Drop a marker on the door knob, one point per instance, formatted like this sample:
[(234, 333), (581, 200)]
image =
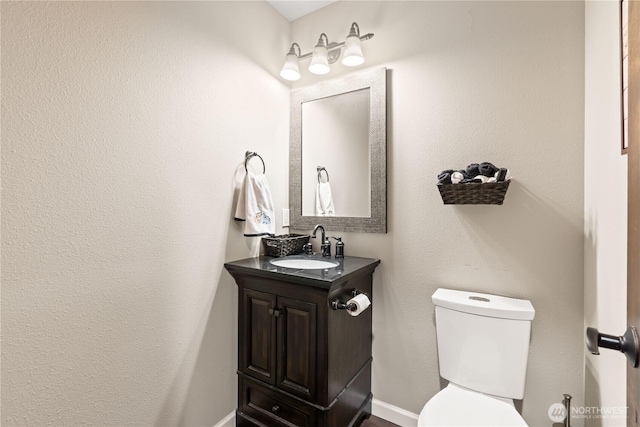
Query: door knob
[(627, 343)]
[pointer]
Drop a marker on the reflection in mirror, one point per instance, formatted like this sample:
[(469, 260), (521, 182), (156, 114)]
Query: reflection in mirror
[(335, 137), (337, 157)]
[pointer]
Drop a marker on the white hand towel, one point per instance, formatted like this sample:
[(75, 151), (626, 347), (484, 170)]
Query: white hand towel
[(324, 200), (255, 206), (456, 177), (482, 178), (507, 176)]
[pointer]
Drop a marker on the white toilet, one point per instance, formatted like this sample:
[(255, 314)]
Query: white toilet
[(483, 346)]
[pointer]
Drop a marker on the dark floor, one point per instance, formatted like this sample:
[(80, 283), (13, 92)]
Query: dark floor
[(377, 422)]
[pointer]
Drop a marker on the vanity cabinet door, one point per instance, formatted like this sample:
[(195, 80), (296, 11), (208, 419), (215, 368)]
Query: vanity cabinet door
[(258, 343), (278, 344), (297, 347)]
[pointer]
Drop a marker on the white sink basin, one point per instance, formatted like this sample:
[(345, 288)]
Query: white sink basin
[(304, 264)]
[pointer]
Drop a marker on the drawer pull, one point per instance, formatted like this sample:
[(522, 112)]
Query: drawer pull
[(275, 409)]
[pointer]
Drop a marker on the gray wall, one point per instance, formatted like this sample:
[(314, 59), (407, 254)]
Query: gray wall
[(124, 127), (472, 82)]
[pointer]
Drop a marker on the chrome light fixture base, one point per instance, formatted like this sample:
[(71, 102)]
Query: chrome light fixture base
[(335, 51)]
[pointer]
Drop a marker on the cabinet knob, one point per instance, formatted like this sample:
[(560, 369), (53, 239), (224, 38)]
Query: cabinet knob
[(275, 409), (274, 312)]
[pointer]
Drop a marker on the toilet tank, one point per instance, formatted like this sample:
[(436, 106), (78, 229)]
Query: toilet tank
[(483, 341)]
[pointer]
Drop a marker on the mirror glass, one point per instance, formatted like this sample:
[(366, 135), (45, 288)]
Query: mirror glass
[(335, 155), (338, 154)]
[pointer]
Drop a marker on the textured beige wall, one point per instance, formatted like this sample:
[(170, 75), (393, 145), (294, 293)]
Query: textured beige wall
[(605, 209), (472, 82), (124, 126)]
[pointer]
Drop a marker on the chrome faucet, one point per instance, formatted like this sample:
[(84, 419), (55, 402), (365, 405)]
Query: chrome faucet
[(325, 245)]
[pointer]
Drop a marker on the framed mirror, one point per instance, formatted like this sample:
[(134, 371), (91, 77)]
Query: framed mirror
[(337, 154)]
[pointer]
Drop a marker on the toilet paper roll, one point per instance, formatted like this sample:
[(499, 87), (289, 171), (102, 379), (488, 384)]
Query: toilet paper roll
[(361, 302)]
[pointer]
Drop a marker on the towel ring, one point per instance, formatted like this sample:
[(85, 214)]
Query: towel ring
[(320, 169), (249, 155)]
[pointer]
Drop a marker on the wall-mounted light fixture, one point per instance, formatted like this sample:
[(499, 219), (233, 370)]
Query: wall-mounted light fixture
[(326, 53)]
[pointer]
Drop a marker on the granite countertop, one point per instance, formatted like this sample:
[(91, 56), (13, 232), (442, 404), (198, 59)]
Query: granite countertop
[(324, 278)]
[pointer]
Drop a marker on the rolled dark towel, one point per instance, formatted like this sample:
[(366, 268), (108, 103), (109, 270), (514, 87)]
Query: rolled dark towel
[(502, 174), (444, 177), (471, 180), (487, 169), (473, 170)]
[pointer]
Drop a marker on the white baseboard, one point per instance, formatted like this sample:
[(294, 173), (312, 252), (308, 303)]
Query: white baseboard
[(228, 421), (379, 408), (393, 414)]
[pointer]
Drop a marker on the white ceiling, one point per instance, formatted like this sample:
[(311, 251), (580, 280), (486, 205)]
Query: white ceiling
[(294, 9)]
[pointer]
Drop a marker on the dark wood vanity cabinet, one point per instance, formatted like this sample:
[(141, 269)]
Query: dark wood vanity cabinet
[(301, 363)]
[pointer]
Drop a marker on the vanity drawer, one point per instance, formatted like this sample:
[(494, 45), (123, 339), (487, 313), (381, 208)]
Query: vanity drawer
[(274, 408)]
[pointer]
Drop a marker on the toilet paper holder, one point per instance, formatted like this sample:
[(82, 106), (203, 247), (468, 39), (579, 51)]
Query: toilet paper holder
[(336, 304)]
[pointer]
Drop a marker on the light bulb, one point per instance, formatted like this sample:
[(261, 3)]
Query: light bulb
[(290, 70), (352, 52), (353, 48), (320, 61)]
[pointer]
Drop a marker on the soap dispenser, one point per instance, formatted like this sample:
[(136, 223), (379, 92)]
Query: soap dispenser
[(339, 247)]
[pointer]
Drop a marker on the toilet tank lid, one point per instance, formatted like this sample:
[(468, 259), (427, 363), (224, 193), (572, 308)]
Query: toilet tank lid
[(484, 304)]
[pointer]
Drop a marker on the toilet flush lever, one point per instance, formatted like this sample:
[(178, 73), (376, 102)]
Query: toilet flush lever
[(627, 343)]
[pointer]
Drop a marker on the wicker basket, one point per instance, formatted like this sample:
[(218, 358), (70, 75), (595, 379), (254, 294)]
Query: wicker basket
[(287, 244), (488, 193)]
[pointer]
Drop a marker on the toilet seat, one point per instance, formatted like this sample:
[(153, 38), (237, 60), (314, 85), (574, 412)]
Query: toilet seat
[(457, 406)]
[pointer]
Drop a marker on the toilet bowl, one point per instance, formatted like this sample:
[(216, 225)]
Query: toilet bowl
[(483, 348), (457, 406)]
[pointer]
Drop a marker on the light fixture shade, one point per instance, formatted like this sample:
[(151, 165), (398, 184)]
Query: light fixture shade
[(352, 51), (319, 61), (290, 70)]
